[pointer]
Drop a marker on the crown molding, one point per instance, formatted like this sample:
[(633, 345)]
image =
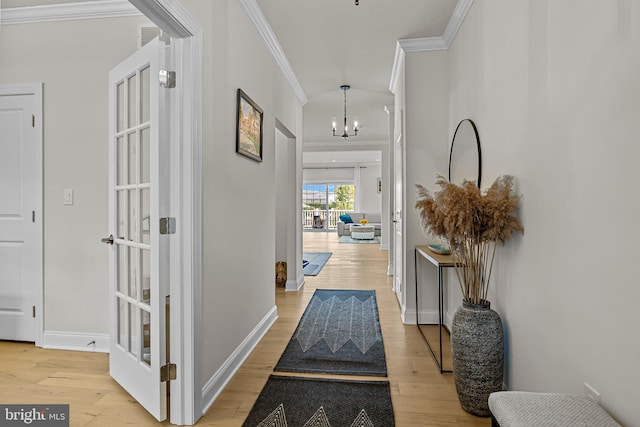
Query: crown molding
[(429, 44), (68, 12), (273, 46), (423, 45), (456, 20), (395, 69)]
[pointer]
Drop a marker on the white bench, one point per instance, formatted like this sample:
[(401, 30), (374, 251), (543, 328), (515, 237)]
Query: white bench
[(525, 409)]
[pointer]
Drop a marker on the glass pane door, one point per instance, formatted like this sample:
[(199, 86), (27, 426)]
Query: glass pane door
[(138, 284), (132, 193), (322, 204)]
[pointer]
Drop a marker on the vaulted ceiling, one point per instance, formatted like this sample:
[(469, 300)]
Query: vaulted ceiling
[(333, 42)]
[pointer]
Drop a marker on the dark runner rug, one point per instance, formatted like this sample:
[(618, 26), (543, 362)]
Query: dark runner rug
[(319, 402), (339, 333)]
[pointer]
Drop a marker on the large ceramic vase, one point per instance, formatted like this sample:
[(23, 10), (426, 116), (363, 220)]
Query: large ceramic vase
[(477, 347)]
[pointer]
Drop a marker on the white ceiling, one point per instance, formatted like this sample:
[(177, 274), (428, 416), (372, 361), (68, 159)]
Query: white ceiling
[(333, 42), (341, 158)]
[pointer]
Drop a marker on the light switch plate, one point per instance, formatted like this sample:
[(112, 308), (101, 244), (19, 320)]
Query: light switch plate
[(68, 197)]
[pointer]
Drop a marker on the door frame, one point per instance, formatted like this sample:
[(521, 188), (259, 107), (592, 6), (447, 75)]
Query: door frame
[(399, 173), (186, 204), (36, 89), (292, 234)]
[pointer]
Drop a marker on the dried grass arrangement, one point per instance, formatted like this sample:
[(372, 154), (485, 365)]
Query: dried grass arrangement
[(473, 222)]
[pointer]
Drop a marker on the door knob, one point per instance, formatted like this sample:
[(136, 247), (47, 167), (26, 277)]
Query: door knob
[(107, 240)]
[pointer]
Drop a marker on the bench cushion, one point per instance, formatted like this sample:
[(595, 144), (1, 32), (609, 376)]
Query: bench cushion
[(526, 409)]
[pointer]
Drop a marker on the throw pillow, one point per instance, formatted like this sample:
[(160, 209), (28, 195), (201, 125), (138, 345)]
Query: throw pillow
[(346, 218)]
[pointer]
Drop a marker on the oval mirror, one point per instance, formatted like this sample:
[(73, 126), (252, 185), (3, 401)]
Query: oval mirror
[(465, 157)]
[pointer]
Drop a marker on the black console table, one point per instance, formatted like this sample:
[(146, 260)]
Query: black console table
[(441, 262)]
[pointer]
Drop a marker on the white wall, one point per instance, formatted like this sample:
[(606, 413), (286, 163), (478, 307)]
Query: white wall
[(239, 193), (73, 59), (426, 152), (555, 92), (328, 175), (370, 199)]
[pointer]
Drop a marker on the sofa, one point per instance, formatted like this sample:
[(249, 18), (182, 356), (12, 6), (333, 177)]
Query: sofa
[(344, 229)]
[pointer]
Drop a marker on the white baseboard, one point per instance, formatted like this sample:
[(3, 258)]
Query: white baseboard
[(294, 285), (408, 316), (76, 341), (219, 380), (428, 316), (384, 247)]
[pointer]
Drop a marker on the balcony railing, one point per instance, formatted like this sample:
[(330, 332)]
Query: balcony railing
[(318, 219)]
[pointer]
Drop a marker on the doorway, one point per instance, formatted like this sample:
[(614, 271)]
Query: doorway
[(398, 206), (323, 203), (185, 201), (21, 212), (286, 207)]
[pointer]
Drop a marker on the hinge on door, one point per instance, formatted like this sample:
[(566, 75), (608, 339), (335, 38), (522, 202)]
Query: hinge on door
[(33, 216), (34, 311), (167, 79), (168, 372), (33, 121), (167, 225)]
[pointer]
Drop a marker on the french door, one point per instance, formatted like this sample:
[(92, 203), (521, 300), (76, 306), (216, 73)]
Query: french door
[(138, 199)]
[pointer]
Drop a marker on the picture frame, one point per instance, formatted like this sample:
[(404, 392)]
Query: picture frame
[(249, 118)]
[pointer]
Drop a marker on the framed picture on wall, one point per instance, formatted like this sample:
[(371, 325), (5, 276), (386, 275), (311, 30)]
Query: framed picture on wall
[(248, 128)]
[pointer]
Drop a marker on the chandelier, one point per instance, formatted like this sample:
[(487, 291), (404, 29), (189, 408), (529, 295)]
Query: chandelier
[(345, 133)]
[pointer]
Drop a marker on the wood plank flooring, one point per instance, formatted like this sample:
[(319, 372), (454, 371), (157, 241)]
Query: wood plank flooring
[(421, 395)]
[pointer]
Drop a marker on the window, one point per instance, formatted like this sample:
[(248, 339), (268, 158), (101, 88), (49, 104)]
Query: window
[(322, 204)]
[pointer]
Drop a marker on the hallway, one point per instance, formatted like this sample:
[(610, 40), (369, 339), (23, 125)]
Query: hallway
[(421, 395)]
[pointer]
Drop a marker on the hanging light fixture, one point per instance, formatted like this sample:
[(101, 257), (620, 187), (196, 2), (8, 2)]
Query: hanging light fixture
[(345, 132)]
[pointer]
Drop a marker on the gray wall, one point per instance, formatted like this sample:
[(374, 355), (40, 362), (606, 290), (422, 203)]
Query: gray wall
[(424, 106), (73, 59), (554, 90), (239, 194)]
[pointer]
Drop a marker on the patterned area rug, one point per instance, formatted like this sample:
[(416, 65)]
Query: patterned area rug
[(302, 402), (312, 262), (339, 333), (348, 239)]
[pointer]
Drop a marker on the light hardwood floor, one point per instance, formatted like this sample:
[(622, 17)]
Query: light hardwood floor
[(421, 395)]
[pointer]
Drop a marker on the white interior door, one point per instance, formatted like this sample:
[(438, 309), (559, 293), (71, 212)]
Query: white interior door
[(139, 255), (398, 180), (20, 216)]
